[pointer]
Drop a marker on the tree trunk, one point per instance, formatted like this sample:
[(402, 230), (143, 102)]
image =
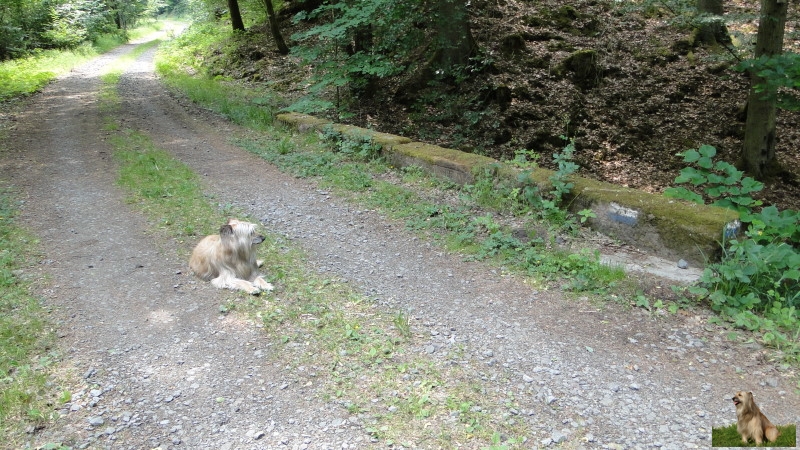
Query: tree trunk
[(362, 39), (455, 43), (364, 85), (453, 46), (236, 15), (715, 31), (758, 151), (276, 32)]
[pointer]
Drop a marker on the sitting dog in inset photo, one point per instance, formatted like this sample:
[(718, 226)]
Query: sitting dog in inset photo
[(228, 259), (753, 424)]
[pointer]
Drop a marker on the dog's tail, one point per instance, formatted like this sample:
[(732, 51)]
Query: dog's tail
[(772, 433)]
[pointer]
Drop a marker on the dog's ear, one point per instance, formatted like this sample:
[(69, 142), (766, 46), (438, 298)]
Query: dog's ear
[(226, 230)]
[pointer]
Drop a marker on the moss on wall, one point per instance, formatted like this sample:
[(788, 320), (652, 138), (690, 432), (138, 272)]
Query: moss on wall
[(669, 227)]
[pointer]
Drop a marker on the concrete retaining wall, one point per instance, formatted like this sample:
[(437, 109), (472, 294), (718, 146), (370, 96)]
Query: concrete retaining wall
[(668, 228)]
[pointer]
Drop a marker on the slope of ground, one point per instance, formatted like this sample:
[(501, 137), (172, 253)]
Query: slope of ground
[(652, 95), (159, 367)]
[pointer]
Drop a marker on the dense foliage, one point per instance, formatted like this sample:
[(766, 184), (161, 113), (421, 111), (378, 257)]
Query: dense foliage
[(354, 44), (781, 75), (30, 25), (362, 41), (759, 272)]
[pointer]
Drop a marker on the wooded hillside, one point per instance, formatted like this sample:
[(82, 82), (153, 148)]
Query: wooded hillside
[(633, 83)]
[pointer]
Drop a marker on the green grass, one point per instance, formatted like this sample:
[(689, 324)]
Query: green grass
[(28, 388), (167, 191), (179, 59), (25, 76), (729, 437), (145, 29), (20, 77)]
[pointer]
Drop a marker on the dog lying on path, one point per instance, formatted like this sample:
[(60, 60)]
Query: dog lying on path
[(752, 422), (228, 259)]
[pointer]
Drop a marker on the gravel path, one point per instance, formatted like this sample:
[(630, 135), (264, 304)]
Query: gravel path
[(160, 367)]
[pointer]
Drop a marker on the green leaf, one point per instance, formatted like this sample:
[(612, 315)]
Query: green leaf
[(705, 163), (793, 274), (730, 170), (751, 185), (691, 156), (715, 191), (707, 151), (691, 175), (683, 194)]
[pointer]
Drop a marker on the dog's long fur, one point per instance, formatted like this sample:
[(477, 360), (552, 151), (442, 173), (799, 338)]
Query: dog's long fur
[(752, 422), (228, 259)]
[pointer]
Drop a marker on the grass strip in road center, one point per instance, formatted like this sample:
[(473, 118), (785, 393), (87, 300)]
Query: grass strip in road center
[(167, 191), (365, 358)]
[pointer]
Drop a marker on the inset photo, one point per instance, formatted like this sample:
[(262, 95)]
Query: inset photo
[(752, 427)]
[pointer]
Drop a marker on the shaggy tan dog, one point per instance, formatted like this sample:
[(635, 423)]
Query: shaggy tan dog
[(228, 259), (752, 422)]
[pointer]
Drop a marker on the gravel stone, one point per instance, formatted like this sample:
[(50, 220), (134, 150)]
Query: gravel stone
[(95, 421)]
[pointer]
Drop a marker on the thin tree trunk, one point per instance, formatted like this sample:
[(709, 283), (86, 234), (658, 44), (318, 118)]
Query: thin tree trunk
[(455, 43), (758, 151), (276, 32), (236, 15), (453, 46)]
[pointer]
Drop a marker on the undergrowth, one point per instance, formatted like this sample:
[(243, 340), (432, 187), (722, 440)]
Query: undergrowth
[(185, 55), (756, 284)]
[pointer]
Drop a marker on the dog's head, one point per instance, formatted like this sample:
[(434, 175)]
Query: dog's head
[(243, 232), (743, 400)]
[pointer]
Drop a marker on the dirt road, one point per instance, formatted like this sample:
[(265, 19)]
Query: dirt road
[(160, 367)]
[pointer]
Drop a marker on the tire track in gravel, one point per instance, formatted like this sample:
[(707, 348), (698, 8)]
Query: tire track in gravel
[(581, 374), (161, 368)]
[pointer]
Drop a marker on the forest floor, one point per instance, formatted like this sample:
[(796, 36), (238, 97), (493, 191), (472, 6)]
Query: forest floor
[(152, 362), (653, 94)]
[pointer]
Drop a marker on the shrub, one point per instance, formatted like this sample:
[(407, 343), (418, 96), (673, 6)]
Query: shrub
[(760, 270)]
